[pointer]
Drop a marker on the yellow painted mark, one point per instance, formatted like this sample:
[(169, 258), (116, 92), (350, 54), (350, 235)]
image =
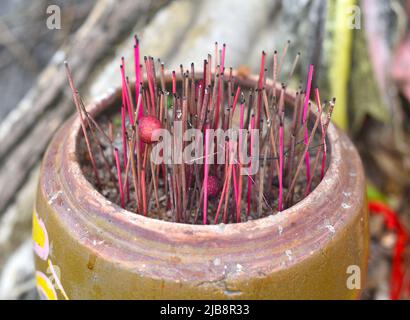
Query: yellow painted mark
[(45, 287)]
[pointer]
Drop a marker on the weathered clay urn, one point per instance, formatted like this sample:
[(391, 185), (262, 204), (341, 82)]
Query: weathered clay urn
[(87, 247)]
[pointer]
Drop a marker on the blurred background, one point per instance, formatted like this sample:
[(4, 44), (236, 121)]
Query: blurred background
[(361, 50)]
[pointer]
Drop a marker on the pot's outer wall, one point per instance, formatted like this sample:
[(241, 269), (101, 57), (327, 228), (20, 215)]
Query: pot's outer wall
[(88, 248)]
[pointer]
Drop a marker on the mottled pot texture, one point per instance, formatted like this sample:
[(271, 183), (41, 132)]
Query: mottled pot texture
[(89, 248)]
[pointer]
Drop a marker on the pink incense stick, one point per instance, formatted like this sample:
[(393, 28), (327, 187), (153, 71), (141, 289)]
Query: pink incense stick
[(218, 101), (281, 143), (216, 56), (241, 122), (241, 154), (235, 183), (249, 178), (138, 78), (260, 86), (305, 114), (205, 79), (324, 157), (206, 174), (137, 67), (223, 58), (235, 99), (319, 107), (262, 71), (281, 147), (221, 199), (124, 144), (151, 91), (125, 92), (144, 193), (174, 83), (117, 162), (220, 202), (228, 172), (274, 72)]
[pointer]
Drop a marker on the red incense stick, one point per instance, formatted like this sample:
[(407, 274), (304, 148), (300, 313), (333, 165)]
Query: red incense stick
[(305, 114), (206, 175), (249, 178), (117, 162)]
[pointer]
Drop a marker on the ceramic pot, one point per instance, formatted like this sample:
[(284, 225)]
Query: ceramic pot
[(87, 247)]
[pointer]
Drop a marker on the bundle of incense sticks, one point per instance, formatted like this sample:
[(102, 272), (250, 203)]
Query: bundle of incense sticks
[(282, 137)]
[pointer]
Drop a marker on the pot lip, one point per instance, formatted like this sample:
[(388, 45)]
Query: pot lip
[(182, 230)]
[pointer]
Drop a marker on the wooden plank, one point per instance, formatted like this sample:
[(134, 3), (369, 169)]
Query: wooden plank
[(24, 134)]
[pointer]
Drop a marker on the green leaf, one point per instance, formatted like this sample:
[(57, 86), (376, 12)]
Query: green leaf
[(373, 194)]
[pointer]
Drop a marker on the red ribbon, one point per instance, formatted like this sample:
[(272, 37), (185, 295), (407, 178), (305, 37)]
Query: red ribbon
[(398, 264)]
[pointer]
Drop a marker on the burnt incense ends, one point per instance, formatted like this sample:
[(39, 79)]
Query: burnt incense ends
[(206, 147), (146, 128)]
